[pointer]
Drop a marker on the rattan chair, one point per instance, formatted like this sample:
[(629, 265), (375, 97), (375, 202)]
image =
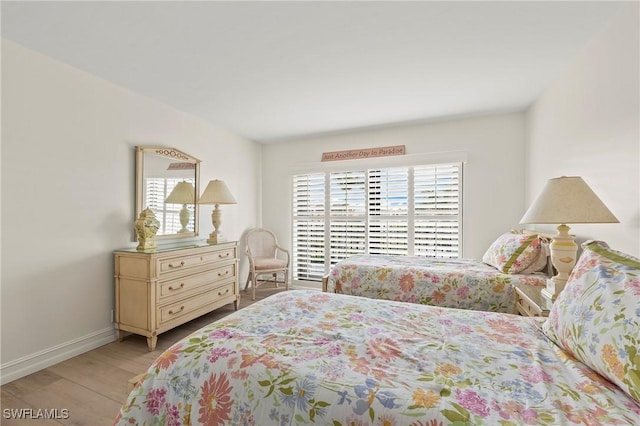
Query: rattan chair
[(266, 258)]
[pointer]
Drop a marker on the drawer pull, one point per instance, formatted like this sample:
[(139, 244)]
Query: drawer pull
[(223, 255), (177, 266), (173, 313), (221, 293), (181, 287), (221, 274)]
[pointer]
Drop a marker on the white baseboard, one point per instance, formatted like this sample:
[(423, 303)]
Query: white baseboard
[(29, 364)]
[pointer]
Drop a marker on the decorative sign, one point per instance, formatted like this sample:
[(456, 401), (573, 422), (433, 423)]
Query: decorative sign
[(181, 166), (356, 154)]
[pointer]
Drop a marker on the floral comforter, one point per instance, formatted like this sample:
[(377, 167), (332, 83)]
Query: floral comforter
[(306, 357), (452, 283)]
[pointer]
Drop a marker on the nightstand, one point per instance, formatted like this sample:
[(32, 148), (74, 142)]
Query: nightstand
[(530, 302)]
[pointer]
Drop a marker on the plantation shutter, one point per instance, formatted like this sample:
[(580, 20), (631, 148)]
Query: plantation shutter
[(393, 211), (308, 227), (388, 211), (438, 201), (348, 214)]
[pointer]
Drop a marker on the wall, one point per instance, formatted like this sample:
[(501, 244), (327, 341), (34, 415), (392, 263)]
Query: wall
[(493, 174), (68, 199), (587, 124)]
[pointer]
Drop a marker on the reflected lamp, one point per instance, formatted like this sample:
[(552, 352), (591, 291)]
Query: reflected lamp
[(183, 193), (563, 200)]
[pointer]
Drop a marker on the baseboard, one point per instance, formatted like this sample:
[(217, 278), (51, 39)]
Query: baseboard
[(29, 364)]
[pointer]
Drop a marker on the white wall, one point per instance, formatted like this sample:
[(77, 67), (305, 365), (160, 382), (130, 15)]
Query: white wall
[(587, 124), (494, 199), (68, 199)]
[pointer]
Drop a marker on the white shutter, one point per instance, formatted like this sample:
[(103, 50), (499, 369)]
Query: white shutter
[(388, 237), (388, 211), (438, 206), (347, 194), (347, 201), (389, 192), (348, 238), (308, 227), (394, 211)]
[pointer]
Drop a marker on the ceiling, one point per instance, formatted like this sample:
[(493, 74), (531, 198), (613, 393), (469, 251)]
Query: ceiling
[(274, 71)]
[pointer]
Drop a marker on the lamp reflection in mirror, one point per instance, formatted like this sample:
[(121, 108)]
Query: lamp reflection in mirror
[(563, 200), (183, 193), (216, 193)]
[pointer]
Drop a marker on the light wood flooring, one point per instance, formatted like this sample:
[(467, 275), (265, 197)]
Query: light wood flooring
[(93, 386)]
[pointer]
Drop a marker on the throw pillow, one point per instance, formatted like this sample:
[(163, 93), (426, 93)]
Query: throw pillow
[(513, 252)]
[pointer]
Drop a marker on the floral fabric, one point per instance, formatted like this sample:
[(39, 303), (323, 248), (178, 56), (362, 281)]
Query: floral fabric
[(452, 283), (514, 252), (306, 357), (596, 318)]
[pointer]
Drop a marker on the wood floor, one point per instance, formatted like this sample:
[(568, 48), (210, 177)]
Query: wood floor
[(93, 386)]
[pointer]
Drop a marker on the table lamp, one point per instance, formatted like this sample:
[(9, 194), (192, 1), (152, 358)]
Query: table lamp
[(183, 193), (563, 200), (216, 193)]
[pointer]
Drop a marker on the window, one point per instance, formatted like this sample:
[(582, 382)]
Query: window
[(396, 211)]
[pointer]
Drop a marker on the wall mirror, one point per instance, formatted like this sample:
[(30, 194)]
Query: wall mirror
[(168, 182)]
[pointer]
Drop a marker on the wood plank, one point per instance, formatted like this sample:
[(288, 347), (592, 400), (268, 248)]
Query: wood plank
[(33, 382), (85, 407), (17, 416), (87, 372)]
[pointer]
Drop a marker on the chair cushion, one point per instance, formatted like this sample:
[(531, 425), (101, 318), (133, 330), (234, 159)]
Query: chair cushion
[(262, 263)]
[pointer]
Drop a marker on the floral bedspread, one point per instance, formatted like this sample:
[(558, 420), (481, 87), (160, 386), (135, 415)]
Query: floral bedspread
[(306, 357), (452, 283)]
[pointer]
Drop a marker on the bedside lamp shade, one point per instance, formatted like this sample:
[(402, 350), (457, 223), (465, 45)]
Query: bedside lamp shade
[(183, 193), (216, 193), (565, 200), (568, 200)]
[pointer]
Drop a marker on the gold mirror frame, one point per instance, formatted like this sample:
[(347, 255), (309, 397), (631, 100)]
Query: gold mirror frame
[(158, 170)]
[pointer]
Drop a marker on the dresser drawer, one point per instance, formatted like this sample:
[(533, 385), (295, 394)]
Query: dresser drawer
[(526, 306), (176, 289), (184, 263), (183, 308), (225, 291)]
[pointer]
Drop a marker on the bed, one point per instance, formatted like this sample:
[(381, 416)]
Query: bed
[(309, 357), (515, 258)]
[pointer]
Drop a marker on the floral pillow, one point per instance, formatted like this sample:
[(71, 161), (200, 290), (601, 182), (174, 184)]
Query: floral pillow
[(542, 262), (596, 318), (513, 252)]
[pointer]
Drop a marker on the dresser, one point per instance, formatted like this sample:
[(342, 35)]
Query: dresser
[(157, 290)]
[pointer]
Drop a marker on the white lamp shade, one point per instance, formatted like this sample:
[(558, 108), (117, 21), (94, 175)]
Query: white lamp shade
[(216, 192), (566, 200), (183, 193)]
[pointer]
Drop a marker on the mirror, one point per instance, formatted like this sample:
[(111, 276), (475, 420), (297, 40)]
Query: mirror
[(168, 182)]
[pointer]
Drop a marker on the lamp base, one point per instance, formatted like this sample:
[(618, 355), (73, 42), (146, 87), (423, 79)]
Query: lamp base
[(216, 238), (184, 219), (563, 257)]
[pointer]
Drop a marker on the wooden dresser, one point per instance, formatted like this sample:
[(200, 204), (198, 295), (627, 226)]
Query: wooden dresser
[(157, 290)]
